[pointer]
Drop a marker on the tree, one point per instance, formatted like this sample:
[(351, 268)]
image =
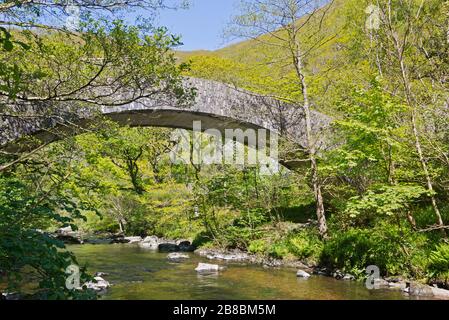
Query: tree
[(49, 72), (129, 147), (407, 60), (292, 27), (46, 69), (23, 211), (79, 65)]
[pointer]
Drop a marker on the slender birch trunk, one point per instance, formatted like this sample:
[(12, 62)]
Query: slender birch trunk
[(320, 211), (416, 135)]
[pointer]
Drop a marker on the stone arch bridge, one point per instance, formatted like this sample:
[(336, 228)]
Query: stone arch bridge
[(217, 106)]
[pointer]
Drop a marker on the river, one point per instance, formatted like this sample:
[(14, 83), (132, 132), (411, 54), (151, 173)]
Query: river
[(140, 274)]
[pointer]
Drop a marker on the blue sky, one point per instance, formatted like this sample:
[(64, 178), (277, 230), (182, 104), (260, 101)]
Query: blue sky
[(201, 26)]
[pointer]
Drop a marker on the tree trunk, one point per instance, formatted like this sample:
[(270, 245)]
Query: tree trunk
[(411, 220), (426, 173), (120, 225), (320, 211), (418, 147)]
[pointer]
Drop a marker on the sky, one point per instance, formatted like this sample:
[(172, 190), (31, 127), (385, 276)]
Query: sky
[(201, 26)]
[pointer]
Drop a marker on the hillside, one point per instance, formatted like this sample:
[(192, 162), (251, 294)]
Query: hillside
[(259, 66)]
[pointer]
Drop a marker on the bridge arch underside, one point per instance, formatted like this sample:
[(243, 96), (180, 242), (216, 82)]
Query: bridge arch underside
[(180, 119), (165, 118)]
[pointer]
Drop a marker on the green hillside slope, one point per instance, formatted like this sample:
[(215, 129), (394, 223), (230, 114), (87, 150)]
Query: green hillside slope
[(261, 67)]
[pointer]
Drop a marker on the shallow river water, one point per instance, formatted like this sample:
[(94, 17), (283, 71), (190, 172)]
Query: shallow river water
[(137, 273)]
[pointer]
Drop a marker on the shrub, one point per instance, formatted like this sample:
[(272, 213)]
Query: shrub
[(305, 244), (439, 263), (242, 231), (259, 246), (394, 250), (279, 250), (25, 248)]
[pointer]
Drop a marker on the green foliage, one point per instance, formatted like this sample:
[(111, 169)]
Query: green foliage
[(385, 200), (105, 51), (25, 248), (279, 250), (258, 246), (243, 230), (122, 180), (439, 263), (254, 201), (395, 250), (306, 245)]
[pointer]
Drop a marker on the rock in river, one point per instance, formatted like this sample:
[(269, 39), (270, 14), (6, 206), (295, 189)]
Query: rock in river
[(177, 257), (150, 243), (206, 267), (223, 255), (380, 284), (98, 285), (348, 277), (10, 296), (302, 274), (185, 246)]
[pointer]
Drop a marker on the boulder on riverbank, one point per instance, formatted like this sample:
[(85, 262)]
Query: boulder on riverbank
[(101, 274), (415, 289), (132, 240), (381, 284), (322, 272), (206, 267), (119, 238), (348, 277), (164, 245), (440, 293), (238, 257), (68, 236)]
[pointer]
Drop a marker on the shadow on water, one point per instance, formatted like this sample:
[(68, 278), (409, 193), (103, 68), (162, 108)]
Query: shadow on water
[(140, 274)]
